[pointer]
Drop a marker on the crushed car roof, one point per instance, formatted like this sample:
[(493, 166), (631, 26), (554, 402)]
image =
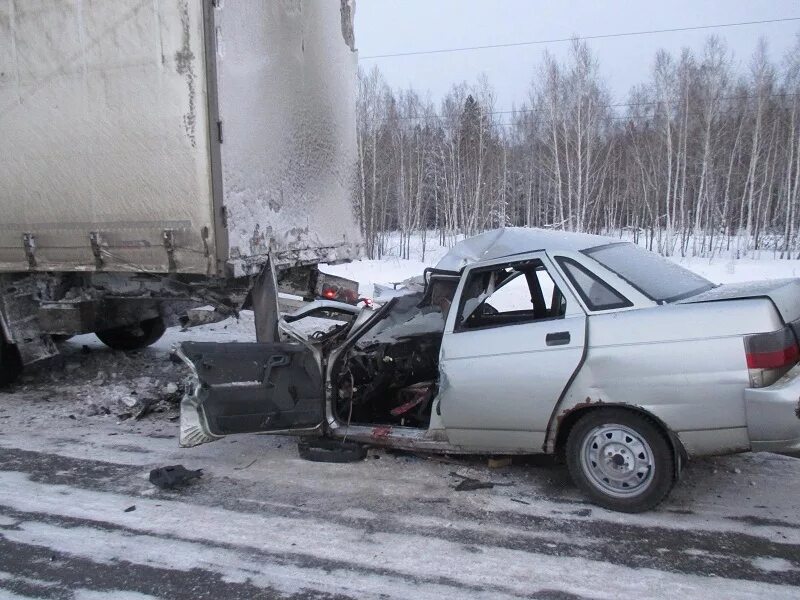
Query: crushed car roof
[(514, 240)]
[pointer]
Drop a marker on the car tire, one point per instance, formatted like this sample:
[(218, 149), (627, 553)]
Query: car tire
[(133, 337), (621, 459), (10, 363), (330, 451)]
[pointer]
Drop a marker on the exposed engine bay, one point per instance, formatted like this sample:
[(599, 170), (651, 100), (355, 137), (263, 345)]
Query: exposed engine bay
[(390, 375)]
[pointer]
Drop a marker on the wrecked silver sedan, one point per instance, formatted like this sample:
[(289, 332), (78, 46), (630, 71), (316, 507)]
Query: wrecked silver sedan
[(529, 341)]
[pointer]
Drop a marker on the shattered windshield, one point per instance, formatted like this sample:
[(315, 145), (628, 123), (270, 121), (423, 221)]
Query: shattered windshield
[(656, 277)]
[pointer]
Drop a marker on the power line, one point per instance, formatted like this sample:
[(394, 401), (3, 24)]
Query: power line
[(587, 37), (538, 110)]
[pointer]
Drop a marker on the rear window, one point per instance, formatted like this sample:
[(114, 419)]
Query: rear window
[(656, 277)]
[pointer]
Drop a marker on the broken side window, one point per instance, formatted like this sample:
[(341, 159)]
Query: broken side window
[(509, 294)]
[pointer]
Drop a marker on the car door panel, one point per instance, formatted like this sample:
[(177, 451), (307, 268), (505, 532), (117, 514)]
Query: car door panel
[(500, 382), (255, 387), (508, 378)]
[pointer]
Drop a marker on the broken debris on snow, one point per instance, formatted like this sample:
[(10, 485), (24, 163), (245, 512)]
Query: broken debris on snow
[(468, 484), (171, 477)]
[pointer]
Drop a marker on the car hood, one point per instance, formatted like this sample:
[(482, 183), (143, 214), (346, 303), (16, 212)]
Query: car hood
[(784, 294)]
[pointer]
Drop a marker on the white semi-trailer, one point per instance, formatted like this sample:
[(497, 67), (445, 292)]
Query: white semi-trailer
[(160, 153)]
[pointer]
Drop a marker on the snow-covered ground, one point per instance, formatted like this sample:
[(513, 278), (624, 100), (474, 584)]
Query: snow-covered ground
[(261, 523), (391, 269)]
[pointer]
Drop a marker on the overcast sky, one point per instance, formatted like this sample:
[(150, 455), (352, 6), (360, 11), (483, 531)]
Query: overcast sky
[(389, 26)]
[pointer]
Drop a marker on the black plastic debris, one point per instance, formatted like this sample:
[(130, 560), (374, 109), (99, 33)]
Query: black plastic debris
[(468, 485), (130, 508), (171, 477)]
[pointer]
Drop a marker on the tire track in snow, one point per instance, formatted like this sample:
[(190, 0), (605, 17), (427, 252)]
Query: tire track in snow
[(280, 573), (68, 573)]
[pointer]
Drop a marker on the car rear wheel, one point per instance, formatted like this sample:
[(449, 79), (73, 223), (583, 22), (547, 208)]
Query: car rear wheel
[(10, 363), (133, 337), (621, 459)]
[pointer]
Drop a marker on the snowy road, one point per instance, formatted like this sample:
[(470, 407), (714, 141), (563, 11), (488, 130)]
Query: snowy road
[(263, 523)]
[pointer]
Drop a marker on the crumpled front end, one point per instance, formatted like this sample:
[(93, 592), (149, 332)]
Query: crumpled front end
[(773, 414)]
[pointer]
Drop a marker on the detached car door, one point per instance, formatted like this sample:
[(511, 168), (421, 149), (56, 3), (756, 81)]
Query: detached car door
[(512, 342), (248, 388)]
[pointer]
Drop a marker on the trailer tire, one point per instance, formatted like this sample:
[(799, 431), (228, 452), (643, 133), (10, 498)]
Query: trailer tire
[(133, 337), (330, 451), (10, 363)]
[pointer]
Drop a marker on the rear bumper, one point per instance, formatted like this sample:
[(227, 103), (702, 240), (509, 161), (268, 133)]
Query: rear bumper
[(773, 414)]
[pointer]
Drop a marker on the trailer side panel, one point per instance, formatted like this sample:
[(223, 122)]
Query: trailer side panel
[(104, 156)]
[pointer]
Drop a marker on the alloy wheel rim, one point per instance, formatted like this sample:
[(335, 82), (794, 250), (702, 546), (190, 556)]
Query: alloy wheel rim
[(617, 460)]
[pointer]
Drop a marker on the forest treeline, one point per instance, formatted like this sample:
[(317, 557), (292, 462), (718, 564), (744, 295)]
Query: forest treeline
[(702, 158)]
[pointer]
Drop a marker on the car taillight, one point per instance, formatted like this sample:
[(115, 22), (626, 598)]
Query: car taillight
[(333, 287), (770, 355)]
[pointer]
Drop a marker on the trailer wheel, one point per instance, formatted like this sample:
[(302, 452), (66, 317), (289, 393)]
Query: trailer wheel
[(133, 337), (10, 363)]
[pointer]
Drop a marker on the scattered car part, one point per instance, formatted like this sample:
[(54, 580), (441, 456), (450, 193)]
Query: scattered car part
[(468, 485), (331, 451), (173, 476)]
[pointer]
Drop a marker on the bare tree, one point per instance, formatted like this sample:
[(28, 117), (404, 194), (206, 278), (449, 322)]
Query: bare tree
[(699, 160)]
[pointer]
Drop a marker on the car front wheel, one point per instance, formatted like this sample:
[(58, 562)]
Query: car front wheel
[(621, 459)]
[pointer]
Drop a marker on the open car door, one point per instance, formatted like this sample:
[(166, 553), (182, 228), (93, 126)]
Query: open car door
[(249, 388)]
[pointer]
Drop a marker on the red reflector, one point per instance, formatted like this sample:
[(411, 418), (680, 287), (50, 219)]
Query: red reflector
[(773, 360), (330, 294)]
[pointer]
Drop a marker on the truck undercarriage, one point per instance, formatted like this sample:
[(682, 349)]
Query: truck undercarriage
[(129, 311)]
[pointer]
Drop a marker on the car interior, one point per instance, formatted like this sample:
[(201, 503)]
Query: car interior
[(390, 373), (508, 295)]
